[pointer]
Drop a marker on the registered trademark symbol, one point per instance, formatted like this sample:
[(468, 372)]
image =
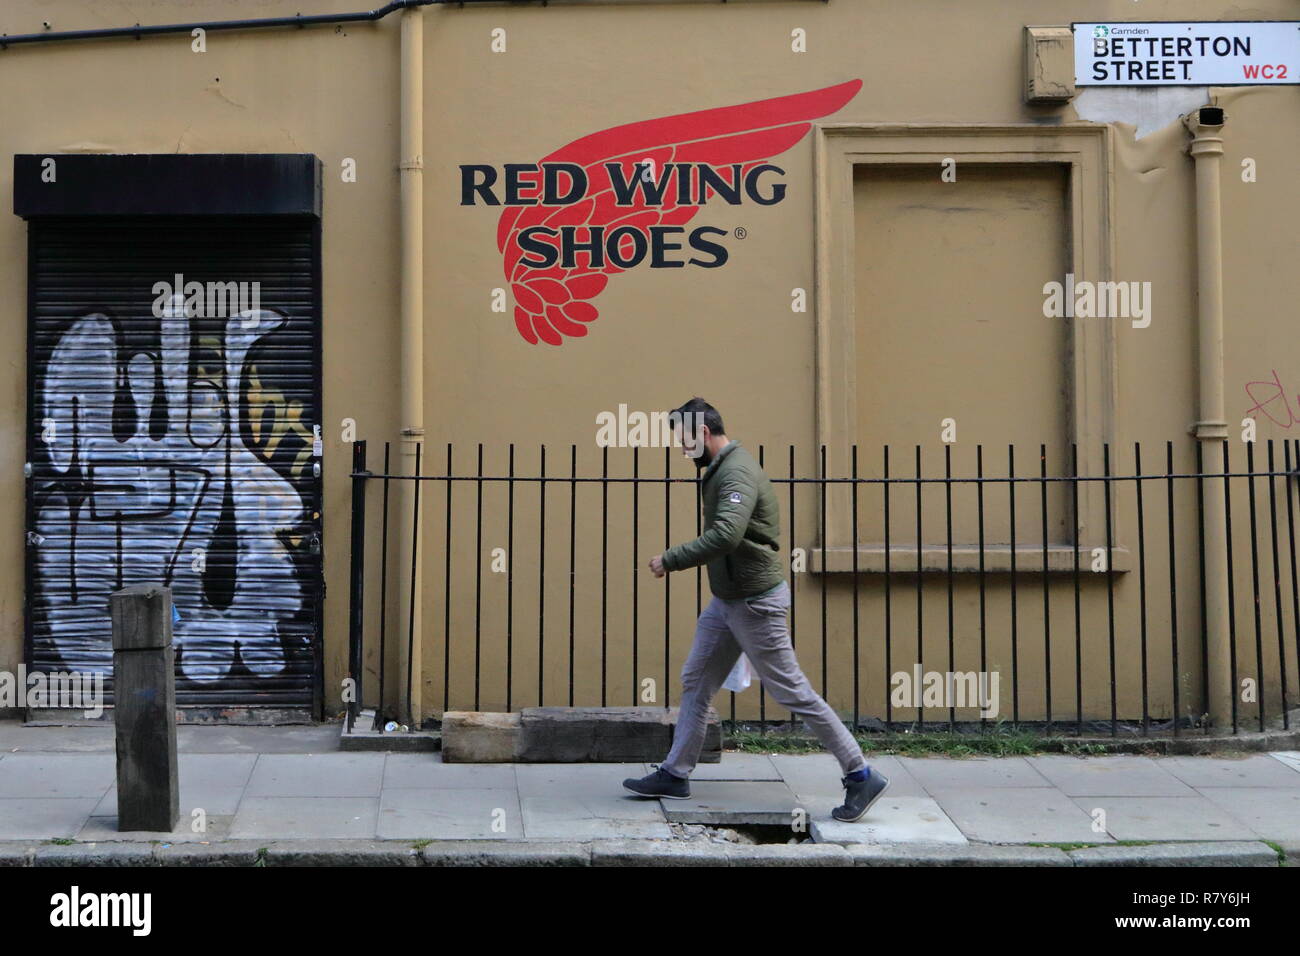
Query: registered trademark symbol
[(741, 232)]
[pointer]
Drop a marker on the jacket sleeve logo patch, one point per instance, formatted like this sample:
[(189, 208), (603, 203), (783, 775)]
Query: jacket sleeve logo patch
[(734, 497)]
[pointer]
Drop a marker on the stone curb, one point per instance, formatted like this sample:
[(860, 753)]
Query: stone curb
[(777, 854), (224, 853), (94, 854), (501, 853), (341, 853), (16, 854), (951, 854), (1242, 853), (647, 853), (630, 852)]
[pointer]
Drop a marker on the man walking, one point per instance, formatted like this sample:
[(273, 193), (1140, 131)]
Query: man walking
[(740, 545)]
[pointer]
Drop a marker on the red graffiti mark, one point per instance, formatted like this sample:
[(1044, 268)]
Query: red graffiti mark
[(554, 303), (1278, 394)]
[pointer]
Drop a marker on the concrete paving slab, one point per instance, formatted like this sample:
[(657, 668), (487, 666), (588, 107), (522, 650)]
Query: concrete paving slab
[(226, 738), (1110, 776), (1165, 818), (1290, 758), (212, 782), (43, 818), (428, 771), (1272, 813), (592, 818), (615, 805), (1006, 815), (980, 773), (808, 771), (1255, 770), (190, 738), (542, 779), (213, 801), (91, 738), (901, 781), (461, 814), (737, 766), (317, 775), (716, 801), (815, 778), (303, 818), (892, 820), (105, 828), (215, 770), (57, 775)]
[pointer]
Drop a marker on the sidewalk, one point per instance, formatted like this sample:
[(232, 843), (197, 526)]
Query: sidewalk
[(289, 788)]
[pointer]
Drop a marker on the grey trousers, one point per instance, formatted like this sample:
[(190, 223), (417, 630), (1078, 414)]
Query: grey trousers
[(758, 627)]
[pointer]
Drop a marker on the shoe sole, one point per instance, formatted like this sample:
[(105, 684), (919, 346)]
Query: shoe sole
[(870, 804), (657, 796)]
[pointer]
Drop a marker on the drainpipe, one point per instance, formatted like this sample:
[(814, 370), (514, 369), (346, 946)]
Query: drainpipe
[(1206, 149), (411, 436)]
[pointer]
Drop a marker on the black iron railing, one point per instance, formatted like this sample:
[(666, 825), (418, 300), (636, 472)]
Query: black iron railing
[(535, 586)]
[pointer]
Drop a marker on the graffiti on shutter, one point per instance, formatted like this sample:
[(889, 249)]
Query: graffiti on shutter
[(171, 456)]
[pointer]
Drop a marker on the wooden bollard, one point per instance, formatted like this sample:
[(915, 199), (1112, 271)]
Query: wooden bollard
[(144, 709)]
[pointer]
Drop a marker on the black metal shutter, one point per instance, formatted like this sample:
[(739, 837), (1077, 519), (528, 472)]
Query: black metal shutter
[(177, 449)]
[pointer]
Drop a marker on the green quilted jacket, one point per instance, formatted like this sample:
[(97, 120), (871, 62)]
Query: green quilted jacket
[(742, 522)]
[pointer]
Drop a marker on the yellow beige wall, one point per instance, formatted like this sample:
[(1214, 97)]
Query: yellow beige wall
[(662, 335)]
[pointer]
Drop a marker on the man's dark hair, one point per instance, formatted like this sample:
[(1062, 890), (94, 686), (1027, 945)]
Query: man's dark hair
[(695, 413)]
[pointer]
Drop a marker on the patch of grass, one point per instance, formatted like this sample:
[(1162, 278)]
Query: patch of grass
[(1081, 749), (1277, 848), (62, 841), (997, 740), (261, 857), (995, 743), (1067, 847), (420, 844), (751, 742)]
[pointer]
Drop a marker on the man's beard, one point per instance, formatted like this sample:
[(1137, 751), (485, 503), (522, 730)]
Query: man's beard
[(702, 459)]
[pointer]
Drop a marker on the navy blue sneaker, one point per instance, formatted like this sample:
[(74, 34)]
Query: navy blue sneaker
[(659, 784), (859, 795)]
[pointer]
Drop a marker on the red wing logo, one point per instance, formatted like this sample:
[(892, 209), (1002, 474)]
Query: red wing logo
[(643, 182)]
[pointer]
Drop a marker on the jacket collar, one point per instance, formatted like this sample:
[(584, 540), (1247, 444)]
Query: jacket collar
[(713, 465)]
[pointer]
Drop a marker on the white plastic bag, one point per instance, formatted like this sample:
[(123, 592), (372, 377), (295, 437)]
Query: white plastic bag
[(741, 675)]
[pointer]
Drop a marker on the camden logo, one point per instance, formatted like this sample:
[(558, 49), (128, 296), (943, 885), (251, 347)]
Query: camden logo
[(623, 197)]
